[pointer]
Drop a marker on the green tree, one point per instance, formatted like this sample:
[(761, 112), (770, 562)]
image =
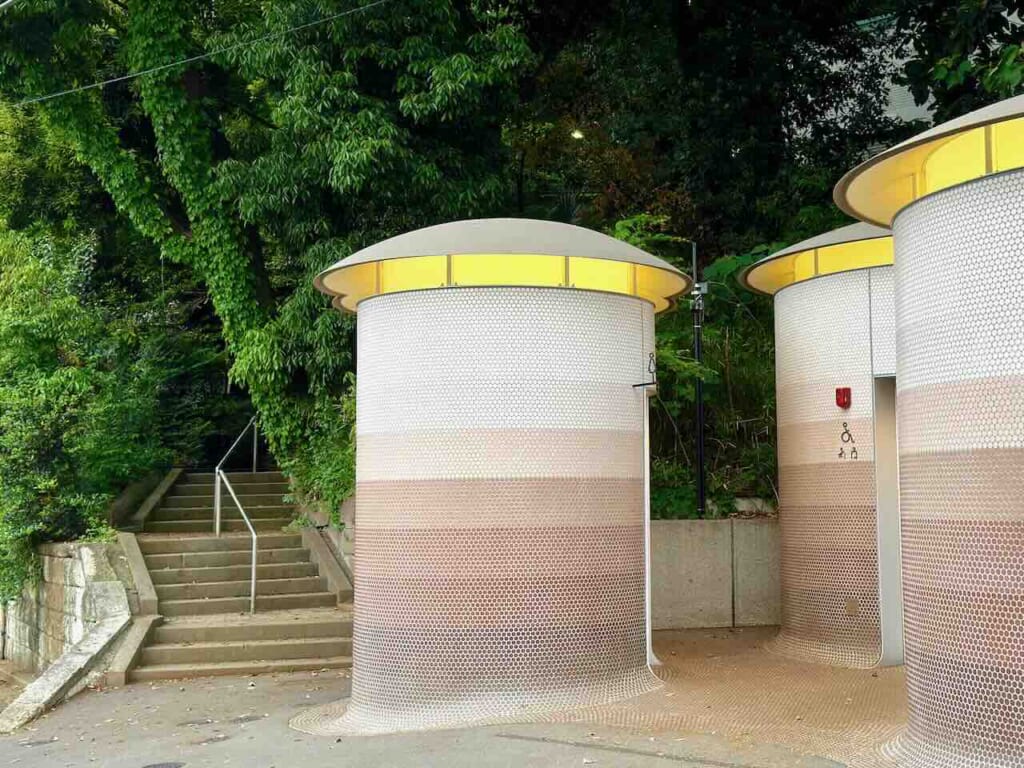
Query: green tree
[(964, 54), (93, 394), (107, 363), (260, 166)]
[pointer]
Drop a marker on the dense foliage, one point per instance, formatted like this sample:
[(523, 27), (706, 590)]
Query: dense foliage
[(963, 55), (164, 229), (102, 378)]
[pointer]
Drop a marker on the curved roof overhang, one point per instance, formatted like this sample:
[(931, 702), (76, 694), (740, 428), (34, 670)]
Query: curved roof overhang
[(987, 141), (856, 246), (502, 252)]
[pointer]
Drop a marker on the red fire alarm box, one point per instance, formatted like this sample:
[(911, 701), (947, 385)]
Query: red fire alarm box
[(843, 397)]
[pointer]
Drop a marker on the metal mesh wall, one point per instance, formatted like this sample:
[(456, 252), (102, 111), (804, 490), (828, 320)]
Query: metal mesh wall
[(823, 340), (499, 555), (960, 287)]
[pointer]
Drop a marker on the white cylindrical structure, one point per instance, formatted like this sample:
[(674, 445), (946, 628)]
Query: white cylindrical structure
[(961, 390), (500, 549), (500, 544), (955, 196), (834, 332), (831, 602)]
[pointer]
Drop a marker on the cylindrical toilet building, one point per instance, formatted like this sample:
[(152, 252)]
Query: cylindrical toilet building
[(499, 470), (838, 505), (954, 197)]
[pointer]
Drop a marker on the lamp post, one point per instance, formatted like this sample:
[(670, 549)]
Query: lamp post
[(697, 309)]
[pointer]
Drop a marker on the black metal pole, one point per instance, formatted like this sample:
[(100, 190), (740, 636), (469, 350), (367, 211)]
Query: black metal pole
[(697, 307)]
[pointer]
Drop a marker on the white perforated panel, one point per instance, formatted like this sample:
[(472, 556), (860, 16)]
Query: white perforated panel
[(883, 321), (829, 556), (824, 331), (960, 286), (566, 375), (822, 341), (500, 518)]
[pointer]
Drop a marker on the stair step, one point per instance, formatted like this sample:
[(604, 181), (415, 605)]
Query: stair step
[(177, 560), (239, 588), (246, 650), (184, 671), (228, 512), (154, 545), (206, 502), (258, 627), (206, 489), (229, 525), (234, 477), (241, 604), (231, 573)]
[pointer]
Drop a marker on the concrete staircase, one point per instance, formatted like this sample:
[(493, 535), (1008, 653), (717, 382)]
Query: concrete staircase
[(188, 506), (202, 584)]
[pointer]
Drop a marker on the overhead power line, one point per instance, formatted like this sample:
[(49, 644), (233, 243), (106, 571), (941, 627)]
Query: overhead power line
[(199, 57)]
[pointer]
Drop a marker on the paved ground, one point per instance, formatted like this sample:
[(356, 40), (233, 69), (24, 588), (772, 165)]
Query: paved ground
[(244, 722), (726, 704), (725, 681), (7, 693)]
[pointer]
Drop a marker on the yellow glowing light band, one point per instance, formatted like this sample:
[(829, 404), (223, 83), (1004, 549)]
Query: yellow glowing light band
[(879, 191), (417, 273), (774, 274)]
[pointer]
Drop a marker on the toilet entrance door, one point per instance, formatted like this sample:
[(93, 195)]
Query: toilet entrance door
[(887, 486)]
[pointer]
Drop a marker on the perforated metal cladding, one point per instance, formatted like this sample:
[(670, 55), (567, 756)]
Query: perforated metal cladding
[(883, 321), (960, 286), (823, 340), (500, 547)]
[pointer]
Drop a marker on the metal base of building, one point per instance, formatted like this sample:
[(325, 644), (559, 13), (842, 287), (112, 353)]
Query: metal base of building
[(340, 718), (724, 682)]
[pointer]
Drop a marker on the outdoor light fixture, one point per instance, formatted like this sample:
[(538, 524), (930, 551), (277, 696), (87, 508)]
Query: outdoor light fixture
[(522, 253), (954, 197), (576, 134), (857, 246), (838, 498), (500, 528)]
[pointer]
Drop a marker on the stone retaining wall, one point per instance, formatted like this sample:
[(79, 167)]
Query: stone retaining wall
[(82, 584)]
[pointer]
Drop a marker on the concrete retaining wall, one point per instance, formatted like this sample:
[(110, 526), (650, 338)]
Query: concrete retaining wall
[(341, 541), (714, 573), (58, 611), (704, 573)]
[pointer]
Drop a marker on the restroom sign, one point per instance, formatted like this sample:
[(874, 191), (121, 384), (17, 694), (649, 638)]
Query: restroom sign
[(847, 443)]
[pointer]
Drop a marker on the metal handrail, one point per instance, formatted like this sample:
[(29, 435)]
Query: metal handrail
[(219, 476), (252, 532), (217, 471)]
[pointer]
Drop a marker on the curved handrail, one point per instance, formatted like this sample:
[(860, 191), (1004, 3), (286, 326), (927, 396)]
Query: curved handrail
[(255, 435), (217, 470), (220, 476)]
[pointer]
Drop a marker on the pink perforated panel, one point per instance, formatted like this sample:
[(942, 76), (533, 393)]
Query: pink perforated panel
[(500, 546), (830, 592), (961, 377)]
